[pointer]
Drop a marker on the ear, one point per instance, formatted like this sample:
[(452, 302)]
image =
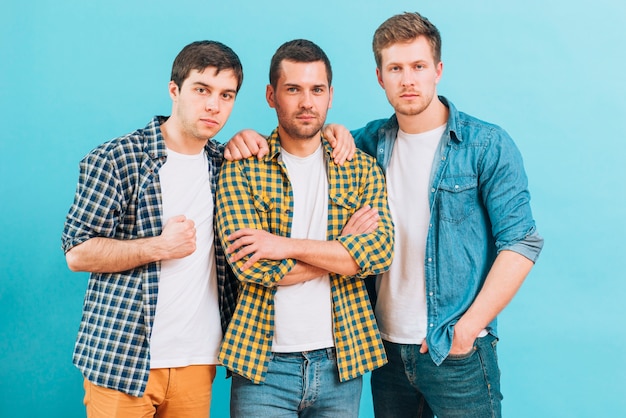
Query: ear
[(173, 89), (439, 71), (379, 77), (330, 97), (269, 96)]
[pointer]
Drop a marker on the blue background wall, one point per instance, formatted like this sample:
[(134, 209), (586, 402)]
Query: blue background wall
[(76, 73)]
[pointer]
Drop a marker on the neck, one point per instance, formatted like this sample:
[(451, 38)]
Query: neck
[(300, 147), (176, 140), (435, 115)]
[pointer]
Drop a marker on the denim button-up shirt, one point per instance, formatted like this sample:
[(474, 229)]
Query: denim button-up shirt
[(479, 206)]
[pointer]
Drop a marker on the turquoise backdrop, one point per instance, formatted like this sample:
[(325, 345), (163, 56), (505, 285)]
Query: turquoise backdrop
[(77, 73)]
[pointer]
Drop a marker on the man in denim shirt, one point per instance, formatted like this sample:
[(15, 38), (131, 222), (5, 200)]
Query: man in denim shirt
[(465, 235)]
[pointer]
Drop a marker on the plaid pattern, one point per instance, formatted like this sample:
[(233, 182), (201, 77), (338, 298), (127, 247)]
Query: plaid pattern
[(258, 194), (119, 196)]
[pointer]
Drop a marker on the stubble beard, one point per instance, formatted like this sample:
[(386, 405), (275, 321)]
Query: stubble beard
[(298, 130)]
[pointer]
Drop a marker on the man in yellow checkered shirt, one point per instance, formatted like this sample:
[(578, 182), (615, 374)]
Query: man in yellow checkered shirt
[(301, 233)]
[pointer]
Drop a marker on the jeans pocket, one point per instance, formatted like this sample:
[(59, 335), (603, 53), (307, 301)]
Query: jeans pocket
[(464, 356)]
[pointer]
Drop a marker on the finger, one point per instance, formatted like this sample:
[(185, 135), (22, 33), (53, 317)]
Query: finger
[(244, 151), (234, 152), (424, 347), (341, 153), (362, 214), (227, 155), (240, 233), (239, 244), (244, 251), (248, 264), (329, 135), (263, 150), (177, 218)]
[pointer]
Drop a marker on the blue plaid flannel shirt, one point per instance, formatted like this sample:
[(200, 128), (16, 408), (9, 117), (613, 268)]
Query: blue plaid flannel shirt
[(119, 196)]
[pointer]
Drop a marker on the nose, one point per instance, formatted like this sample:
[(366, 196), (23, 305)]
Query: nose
[(306, 102), (407, 78), (212, 104)]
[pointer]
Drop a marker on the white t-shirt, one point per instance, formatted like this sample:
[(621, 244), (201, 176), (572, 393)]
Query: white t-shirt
[(303, 312), (401, 305), (187, 328)]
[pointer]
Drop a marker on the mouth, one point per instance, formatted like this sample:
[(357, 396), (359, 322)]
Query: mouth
[(409, 95), (209, 122), (306, 117)]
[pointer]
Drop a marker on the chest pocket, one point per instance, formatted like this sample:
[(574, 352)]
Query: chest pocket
[(458, 198)]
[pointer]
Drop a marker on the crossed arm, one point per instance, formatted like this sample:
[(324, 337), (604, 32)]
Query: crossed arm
[(253, 227), (313, 257)]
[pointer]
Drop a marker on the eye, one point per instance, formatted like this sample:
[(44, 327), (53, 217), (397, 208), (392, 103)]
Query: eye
[(420, 66), (201, 90), (318, 90), (228, 96), (292, 89), (395, 68)]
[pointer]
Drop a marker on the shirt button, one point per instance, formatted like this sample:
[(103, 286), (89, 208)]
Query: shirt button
[(432, 190), (432, 325), (430, 260), (381, 150), (456, 186), (430, 294)]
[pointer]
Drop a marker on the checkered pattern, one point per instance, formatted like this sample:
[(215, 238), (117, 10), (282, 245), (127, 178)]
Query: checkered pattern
[(119, 196), (258, 194)]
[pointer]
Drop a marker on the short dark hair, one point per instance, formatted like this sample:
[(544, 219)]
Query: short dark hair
[(405, 27), (200, 55), (298, 50)]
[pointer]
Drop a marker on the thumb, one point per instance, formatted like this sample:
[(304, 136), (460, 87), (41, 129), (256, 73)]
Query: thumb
[(424, 347), (177, 218)]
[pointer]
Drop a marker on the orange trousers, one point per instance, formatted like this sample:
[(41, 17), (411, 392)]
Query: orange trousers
[(183, 392)]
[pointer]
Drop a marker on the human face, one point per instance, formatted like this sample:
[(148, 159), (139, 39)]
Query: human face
[(202, 105), (409, 76), (301, 98)]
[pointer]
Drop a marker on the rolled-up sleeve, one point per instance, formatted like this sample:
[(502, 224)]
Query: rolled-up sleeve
[(372, 252), (96, 207), (238, 207)]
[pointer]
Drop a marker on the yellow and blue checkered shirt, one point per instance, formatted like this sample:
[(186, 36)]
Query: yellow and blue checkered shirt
[(258, 194)]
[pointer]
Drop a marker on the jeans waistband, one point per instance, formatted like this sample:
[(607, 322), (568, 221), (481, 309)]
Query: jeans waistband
[(328, 352)]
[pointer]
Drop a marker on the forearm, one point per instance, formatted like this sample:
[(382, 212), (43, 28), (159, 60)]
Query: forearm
[(107, 255), (300, 273), (330, 256), (502, 283)]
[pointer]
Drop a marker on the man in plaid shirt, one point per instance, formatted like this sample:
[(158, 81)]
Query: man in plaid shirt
[(303, 332)]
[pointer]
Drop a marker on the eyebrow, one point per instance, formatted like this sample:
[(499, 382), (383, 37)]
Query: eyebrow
[(410, 63), (299, 85), (201, 84)]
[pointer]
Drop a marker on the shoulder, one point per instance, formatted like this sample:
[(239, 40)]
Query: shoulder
[(472, 130), (364, 163), (374, 128), (126, 149)]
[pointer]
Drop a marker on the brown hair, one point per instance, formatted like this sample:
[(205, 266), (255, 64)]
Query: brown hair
[(405, 27), (200, 55), (298, 50)]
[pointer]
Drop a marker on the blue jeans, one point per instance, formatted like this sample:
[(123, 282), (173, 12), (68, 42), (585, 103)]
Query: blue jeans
[(297, 385), (411, 385)]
